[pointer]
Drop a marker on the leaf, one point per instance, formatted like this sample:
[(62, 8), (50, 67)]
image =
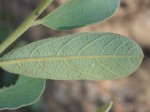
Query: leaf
[(91, 56), (8, 79), (78, 13), (105, 108), (25, 92)]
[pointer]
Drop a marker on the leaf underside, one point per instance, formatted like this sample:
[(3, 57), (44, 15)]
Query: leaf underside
[(26, 91), (105, 108), (78, 13), (91, 56)]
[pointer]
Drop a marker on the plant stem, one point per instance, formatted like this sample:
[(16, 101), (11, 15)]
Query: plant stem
[(25, 25), (36, 22)]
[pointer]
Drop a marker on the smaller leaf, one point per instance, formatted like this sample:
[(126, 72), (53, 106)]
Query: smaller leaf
[(26, 91), (7, 79), (105, 108), (78, 13)]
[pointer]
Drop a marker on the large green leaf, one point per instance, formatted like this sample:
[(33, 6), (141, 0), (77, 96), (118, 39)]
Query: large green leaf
[(26, 91), (78, 13), (105, 108), (91, 56)]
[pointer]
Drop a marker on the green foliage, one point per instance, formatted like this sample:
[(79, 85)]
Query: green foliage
[(2, 33), (78, 13), (91, 56), (7, 78), (105, 108), (26, 91)]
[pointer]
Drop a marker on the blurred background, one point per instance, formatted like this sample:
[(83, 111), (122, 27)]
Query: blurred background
[(130, 94)]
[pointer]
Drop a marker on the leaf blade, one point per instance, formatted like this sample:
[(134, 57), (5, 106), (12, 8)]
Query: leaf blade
[(25, 92), (105, 108), (91, 56), (79, 13)]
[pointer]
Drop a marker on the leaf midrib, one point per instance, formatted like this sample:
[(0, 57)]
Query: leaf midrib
[(58, 58)]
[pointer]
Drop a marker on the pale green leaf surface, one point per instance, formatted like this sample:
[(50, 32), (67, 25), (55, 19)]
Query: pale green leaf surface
[(78, 13), (105, 108), (26, 91), (91, 56)]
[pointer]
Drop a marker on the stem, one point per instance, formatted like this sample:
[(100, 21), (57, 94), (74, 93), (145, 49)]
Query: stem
[(36, 22), (25, 25)]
